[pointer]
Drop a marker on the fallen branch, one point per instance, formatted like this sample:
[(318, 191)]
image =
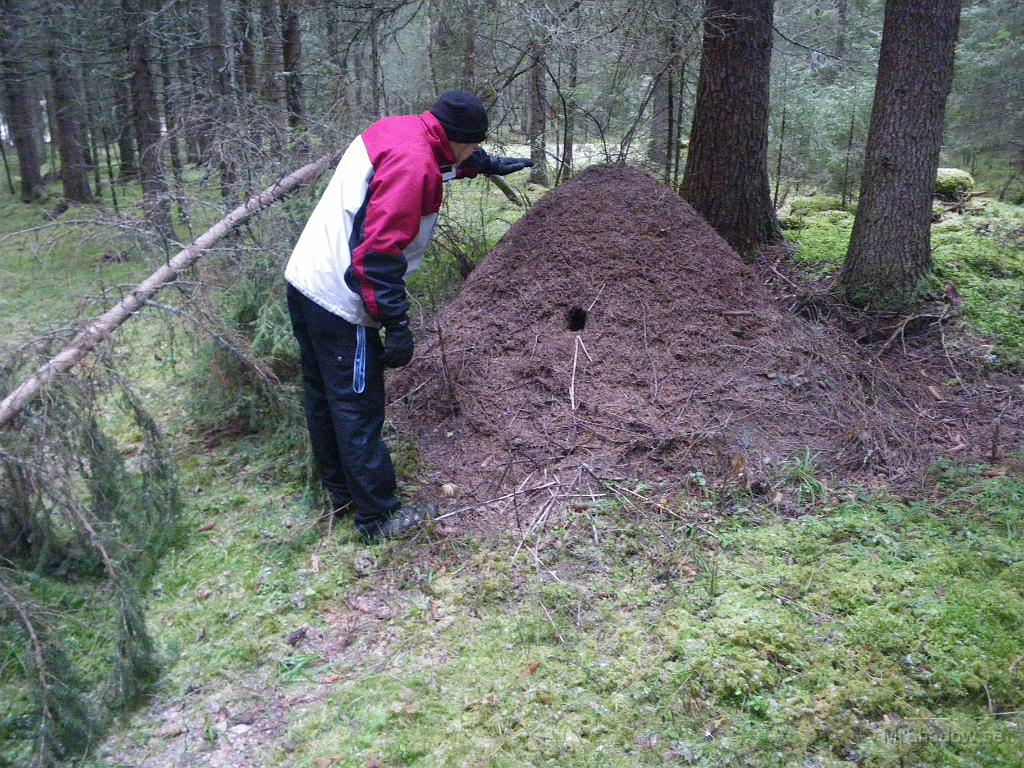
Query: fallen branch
[(101, 328), (508, 190)]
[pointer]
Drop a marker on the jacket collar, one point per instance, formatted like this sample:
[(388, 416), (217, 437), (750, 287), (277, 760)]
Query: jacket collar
[(438, 140)]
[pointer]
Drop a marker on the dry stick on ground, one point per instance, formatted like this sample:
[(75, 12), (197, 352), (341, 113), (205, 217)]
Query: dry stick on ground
[(101, 328), (453, 401)]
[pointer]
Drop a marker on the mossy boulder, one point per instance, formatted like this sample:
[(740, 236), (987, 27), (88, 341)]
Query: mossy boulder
[(802, 206), (952, 183), (793, 215)]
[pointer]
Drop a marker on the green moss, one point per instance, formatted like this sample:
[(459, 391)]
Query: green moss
[(980, 252), (828, 636)]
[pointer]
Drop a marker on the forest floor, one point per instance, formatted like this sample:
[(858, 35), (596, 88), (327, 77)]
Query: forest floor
[(659, 619)]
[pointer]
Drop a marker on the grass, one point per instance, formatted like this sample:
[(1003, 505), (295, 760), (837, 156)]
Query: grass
[(867, 628)]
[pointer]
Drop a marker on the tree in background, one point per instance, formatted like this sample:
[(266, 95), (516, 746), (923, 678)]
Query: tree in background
[(726, 176), (67, 119), (20, 101), (889, 254)]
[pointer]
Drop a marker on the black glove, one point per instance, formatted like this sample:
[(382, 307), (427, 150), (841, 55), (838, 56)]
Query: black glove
[(398, 342), (496, 166)]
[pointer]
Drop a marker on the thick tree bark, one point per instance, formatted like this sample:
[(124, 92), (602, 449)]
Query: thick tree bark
[(146, 111), (21, 105), (889, 254), (537, 119), (293, 65), (726, 177), (67, 118)]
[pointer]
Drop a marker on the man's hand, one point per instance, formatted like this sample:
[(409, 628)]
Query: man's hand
[(496, 166), (398, 342)]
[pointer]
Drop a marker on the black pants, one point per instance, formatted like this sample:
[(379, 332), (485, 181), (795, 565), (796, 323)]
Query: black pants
[(344, 381)]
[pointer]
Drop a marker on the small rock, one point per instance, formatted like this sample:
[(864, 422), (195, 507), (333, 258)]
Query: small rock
[(171, 728), (243, 718), (296, 637)]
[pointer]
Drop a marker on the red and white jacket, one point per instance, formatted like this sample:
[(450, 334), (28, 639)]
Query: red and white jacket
[(374, 220)]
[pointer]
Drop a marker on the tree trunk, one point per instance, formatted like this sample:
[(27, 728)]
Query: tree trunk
[(468, 42), (20, 102), (536, 120), (339, 63), (67, 118), (273, 65), (889, 254), (569, 128), (146, 111), (293, 65), (726, 177), (376, 72), (170, 104), (246, 56), (125, 131), (843, 25)]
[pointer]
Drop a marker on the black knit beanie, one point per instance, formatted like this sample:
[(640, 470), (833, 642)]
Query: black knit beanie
[(462, 115)]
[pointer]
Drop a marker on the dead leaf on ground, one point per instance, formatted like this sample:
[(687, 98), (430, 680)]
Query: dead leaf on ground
[(531, 668)]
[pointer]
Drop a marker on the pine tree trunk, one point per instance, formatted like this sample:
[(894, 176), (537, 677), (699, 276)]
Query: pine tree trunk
[(843, 14), (661, 121), (125, 130), (537, 122), (376, 72), (569, 128), (20, 102), (273, 65), (169, 95), (146, 111), (726, 177), (293, 65), (67, 118), (468, 43), (246, 56), (890, 254), (339, 62)]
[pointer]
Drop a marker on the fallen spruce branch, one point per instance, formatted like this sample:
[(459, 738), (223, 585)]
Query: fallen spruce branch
[(100, 328)]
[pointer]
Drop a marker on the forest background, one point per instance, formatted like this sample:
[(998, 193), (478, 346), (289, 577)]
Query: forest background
[(168, 593)]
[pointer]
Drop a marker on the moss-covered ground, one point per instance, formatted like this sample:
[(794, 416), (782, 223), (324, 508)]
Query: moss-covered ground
[(981, 252), (707, 630)]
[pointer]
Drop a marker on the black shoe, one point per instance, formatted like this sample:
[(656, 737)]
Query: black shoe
[(404, 520)]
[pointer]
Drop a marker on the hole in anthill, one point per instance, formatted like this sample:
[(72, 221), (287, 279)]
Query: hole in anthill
[(576, 318)]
